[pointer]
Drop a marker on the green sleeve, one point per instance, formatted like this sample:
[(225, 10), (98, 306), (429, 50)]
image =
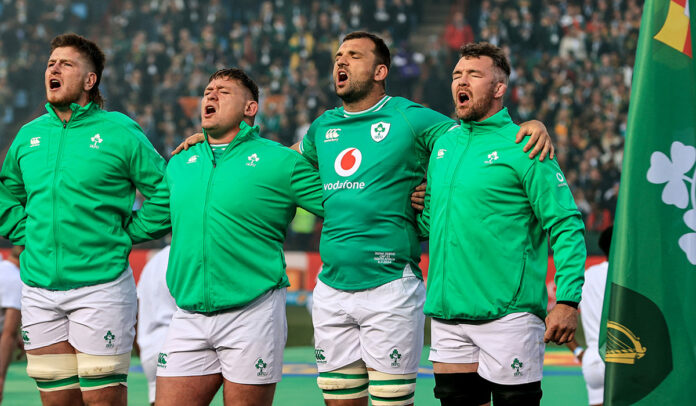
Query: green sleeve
[(307, 187), (424, 217), (12, 217), (554, 206), (147, 172), (308, 148), (428, 125), (11, 174)]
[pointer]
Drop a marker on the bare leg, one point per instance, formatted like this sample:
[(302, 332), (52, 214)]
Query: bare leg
[(237, 394), (187, 390)]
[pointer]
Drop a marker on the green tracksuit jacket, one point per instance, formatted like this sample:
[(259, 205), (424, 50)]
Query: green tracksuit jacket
[(490, 211), (228, 219), (12, 217), (77, 180)]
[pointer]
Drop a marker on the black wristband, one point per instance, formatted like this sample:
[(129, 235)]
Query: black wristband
[(574, 305)]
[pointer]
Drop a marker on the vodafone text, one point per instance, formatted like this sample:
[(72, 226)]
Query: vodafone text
[(346, 184)]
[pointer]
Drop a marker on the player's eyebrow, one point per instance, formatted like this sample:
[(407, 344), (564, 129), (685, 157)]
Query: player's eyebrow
[(349, 52), (459, 71)]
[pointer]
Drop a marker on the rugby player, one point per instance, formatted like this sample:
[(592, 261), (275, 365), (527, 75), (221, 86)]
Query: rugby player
[(489, 211), (76, 169), (230, 200)]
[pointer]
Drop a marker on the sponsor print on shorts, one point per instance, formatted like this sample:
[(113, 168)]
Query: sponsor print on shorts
[(516, 366), (260, 366), (319, 356), (25, 337), (395, 356), (162, 360), (109, 338)]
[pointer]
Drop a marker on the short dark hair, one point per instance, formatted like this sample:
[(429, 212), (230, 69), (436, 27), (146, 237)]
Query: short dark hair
[(381, 49), (241, 76), (479, 49), (605, 240), (89, 50)]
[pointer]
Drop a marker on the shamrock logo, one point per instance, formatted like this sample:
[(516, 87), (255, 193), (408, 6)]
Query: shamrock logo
[(673, 172)]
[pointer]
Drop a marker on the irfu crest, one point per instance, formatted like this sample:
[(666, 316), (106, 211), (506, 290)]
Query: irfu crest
[(379, 131)]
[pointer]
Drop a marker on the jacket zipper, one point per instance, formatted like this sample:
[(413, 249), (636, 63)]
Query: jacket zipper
[(55, 204), (206, 288), (445, 233)]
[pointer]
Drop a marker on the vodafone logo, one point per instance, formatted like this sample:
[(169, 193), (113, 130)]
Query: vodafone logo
[(348, 161)]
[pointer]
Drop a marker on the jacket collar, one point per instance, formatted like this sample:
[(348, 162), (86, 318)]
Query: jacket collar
[(77, 111), (489, 125), (246, 132)]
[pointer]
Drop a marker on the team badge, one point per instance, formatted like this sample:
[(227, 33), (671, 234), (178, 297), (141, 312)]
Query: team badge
[(379, 131)]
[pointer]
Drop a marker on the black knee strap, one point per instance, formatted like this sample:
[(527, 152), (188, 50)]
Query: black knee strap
[(465, 389), (528, 394)]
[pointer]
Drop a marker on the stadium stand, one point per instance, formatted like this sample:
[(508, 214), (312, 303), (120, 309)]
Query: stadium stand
[(573, 62)]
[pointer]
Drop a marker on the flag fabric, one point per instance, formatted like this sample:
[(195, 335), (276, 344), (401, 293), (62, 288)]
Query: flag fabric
[(648, 337)]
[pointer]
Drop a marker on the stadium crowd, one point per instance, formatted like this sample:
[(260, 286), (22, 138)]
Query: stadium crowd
[(573, 65)]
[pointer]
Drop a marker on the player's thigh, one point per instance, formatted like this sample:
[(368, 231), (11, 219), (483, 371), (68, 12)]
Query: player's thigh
[(187, 390), (336, 333), (511, 349), (44, 322), (250, 341), (102, 317), (391, 326), (239, 394)]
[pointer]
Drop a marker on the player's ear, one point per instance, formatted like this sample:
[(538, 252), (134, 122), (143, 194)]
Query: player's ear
[(251, 108), (500, 89), (90, 81), (381, 72)]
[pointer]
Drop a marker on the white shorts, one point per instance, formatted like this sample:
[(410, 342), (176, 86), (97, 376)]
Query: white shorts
[(149, 365), (593, 372), (383, 326), (244, 344), (509, 350), (96, 320)]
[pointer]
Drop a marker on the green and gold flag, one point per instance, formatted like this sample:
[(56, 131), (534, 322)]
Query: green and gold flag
[(649, 334)]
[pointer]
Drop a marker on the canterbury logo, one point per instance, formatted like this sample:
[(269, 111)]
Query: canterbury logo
[(332, 134), (35, 142), (193, 159)]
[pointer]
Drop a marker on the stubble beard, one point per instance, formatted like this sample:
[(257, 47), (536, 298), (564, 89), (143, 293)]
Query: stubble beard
[(64, 100), (356, 91), (479, 108)]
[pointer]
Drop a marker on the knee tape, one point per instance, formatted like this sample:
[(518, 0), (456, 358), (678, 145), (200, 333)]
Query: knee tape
[(527, 394), (462, 389), (100, 371), (349, 382), (53, 372), (392, 390)]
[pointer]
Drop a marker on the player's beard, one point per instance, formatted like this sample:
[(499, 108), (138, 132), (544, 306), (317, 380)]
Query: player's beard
[(356, 91), (66, 97), (479, 108)]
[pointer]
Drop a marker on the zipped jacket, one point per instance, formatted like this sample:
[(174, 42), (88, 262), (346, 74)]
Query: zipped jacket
[(489, 211), (228, 219), (77, 181)]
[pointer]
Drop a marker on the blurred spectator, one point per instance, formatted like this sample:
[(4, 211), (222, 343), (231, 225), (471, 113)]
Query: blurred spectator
[(457, 33)]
